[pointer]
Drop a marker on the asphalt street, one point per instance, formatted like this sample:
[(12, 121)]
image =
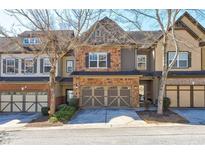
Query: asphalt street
[(179, 135)]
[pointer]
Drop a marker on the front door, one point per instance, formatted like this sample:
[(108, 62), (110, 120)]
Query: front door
[(141, 94), (69, 95)]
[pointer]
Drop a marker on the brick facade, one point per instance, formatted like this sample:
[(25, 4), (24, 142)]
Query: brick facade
[(115, 56), (23, 87), (78, 82)]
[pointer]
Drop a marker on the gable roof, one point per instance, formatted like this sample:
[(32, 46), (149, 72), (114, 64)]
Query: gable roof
[(145, 38), (112, 29), (14, 44)]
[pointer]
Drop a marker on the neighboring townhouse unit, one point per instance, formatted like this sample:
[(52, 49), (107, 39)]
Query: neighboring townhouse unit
[(112, 68), (24, 74)]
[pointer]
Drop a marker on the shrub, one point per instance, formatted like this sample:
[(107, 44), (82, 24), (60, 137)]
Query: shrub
[(74, 102), (53, 119), (59, 107), (44, 111), (65, 113), (166, 103)]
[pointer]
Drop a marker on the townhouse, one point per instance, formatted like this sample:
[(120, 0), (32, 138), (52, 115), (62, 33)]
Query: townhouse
[(112, 68)]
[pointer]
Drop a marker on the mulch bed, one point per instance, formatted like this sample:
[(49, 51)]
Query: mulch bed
[(43, 122), (167, 117)]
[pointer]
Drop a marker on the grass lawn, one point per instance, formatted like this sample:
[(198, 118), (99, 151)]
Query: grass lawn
[(43, 122), (167, 117)]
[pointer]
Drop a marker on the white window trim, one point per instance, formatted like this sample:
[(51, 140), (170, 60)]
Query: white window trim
[(178, 59), (9, 73), (98, 60), (139, 56), (25, 59), (45, 65)]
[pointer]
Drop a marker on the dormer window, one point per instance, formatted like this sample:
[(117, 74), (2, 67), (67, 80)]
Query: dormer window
[(31, 41)]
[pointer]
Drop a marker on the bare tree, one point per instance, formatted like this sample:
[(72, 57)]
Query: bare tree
[(53, 44), (166, 21)]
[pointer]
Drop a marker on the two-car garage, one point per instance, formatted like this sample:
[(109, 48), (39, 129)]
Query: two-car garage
[(23, 101), (106, 96), (186, 95)]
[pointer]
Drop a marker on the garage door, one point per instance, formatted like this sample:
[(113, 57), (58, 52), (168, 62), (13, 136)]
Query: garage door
[(186, 96), (105, 96), (23, 102)]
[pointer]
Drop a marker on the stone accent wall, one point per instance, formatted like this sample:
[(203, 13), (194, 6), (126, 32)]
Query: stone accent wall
[(78, 82), (115, 56)]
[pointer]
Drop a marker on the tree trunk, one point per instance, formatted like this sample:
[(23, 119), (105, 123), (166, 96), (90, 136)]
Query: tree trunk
[(163, 78), (52, 91), (161, 92)]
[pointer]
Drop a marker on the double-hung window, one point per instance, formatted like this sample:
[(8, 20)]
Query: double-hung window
[(98, 60), (141, 62), (31, 41), (29, 65), (46, 65), (10, 66), (182, 60), (69, 66)]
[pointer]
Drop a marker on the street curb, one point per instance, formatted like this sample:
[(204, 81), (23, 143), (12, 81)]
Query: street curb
[(93, 126)]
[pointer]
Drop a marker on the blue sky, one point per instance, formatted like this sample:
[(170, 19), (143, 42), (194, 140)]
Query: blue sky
[(7, 22)]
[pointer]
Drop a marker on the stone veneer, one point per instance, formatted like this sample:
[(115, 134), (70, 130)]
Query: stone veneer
[(115, 57), (133, 82)]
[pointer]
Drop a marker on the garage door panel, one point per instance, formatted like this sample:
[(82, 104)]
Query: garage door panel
[(30, 98), (30, 107), (5, 107), (40, 105), (173, 98), (5, 97), (86, 96), (184, 98), (113, 101), (198, 98), (18, 98), (17, 107)]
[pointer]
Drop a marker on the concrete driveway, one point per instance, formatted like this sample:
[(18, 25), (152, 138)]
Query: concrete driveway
[(194, 116), (106, 116), (15, 119)]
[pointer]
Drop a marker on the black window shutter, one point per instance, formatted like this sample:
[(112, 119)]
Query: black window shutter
[(86, 60), (189, 59), (35, 65), (167, 58), (41, 65), (16, 65), (4, 65), (108, 60), (22, 65)]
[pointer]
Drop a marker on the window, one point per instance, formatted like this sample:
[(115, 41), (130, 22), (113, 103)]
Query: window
[(98, 60), (46, 65), (10, 66), (182, 59), (69, 66), (31, 41), (141, 62), (29, 66)]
